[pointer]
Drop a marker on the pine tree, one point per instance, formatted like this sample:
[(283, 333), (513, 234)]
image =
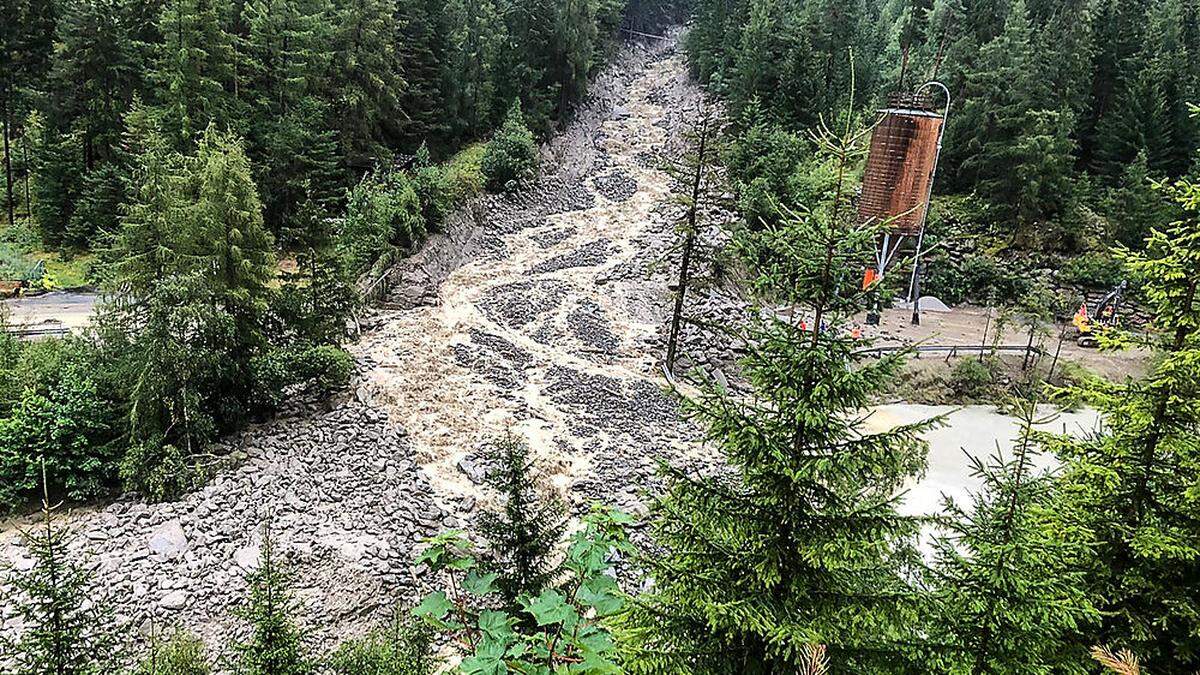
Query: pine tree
[(26, 43), (524, 535), (1135, 483), (423, 46), (477, 41), (1133, 207), (194, 70), (1010, 569), (276, 644), (366, 80), (1018, 152), (511, 156), (696, 176), (799, 543), (65, 625), (285, 59), (93, 77), (57, 170), (236, 249)]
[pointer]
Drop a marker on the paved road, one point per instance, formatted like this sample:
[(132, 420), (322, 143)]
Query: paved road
[(68, 310)]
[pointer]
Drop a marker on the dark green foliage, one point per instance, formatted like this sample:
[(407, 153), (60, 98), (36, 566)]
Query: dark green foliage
[(1009, 570), (511, 155), (285, 372), (180, 654), (1133, 207), (1097, 270), (66, 625), (433, 189), (276, 644), (768, 168), (523, 536), (404, 647), (367, 85), (558, 629), (1017, 153), (799, 543), (383, 210), (979, 278), (194, 265), (68, 428), (1134, 483), (973, 379), (195, 66)]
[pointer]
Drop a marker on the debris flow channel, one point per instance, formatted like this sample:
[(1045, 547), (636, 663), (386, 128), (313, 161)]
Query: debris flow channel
[(539, 313)]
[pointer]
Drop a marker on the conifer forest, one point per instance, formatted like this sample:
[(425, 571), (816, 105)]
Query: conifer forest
[(657, 337)]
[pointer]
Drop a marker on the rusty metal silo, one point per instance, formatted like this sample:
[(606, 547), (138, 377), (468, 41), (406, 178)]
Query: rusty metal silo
[(900, 164), (898, 180)]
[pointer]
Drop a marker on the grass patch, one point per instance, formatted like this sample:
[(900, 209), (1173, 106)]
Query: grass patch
[(67, 271)]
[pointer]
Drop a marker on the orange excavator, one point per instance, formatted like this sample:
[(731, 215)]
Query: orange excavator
[(1103, 316)]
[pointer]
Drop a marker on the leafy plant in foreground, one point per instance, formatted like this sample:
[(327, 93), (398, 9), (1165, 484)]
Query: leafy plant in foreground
[(559, 629)]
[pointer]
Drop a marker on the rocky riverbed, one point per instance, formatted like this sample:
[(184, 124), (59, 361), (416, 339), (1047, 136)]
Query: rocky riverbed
[(540, 313)]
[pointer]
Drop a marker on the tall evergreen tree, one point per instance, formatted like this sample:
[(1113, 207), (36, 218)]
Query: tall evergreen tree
[(26, 42), (276, 644), (1135, 483), (523, 536), (423, 47), (194, 69), (478, 38), (799, 543), (366, 80), (1017, 152), (1010, 569), (1134, 208)]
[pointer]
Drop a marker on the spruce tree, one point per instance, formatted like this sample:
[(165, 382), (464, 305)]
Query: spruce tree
[(285, 59), (798, 543), (524, 534), (194, 69), (1017, 151), (1009, 569), (1133, 207), (478, 38), (276, 643), (1135, 482), (65, 625), (423, 46), (366, 80)]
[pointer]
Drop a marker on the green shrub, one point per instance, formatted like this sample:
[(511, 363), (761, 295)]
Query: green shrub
[(978, 278), (464, 172), (318, 370), (13, 264), (432, 186), (159, 471), (404, 647), (69, 426), (768, 167), (182, 654), (1094, 269), (972, 380), (511, 156), (383, 211)]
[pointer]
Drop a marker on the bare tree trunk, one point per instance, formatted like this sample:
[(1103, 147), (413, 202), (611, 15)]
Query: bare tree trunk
[(8, 177), (1062, 336), (688, 245), (987, 324)]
